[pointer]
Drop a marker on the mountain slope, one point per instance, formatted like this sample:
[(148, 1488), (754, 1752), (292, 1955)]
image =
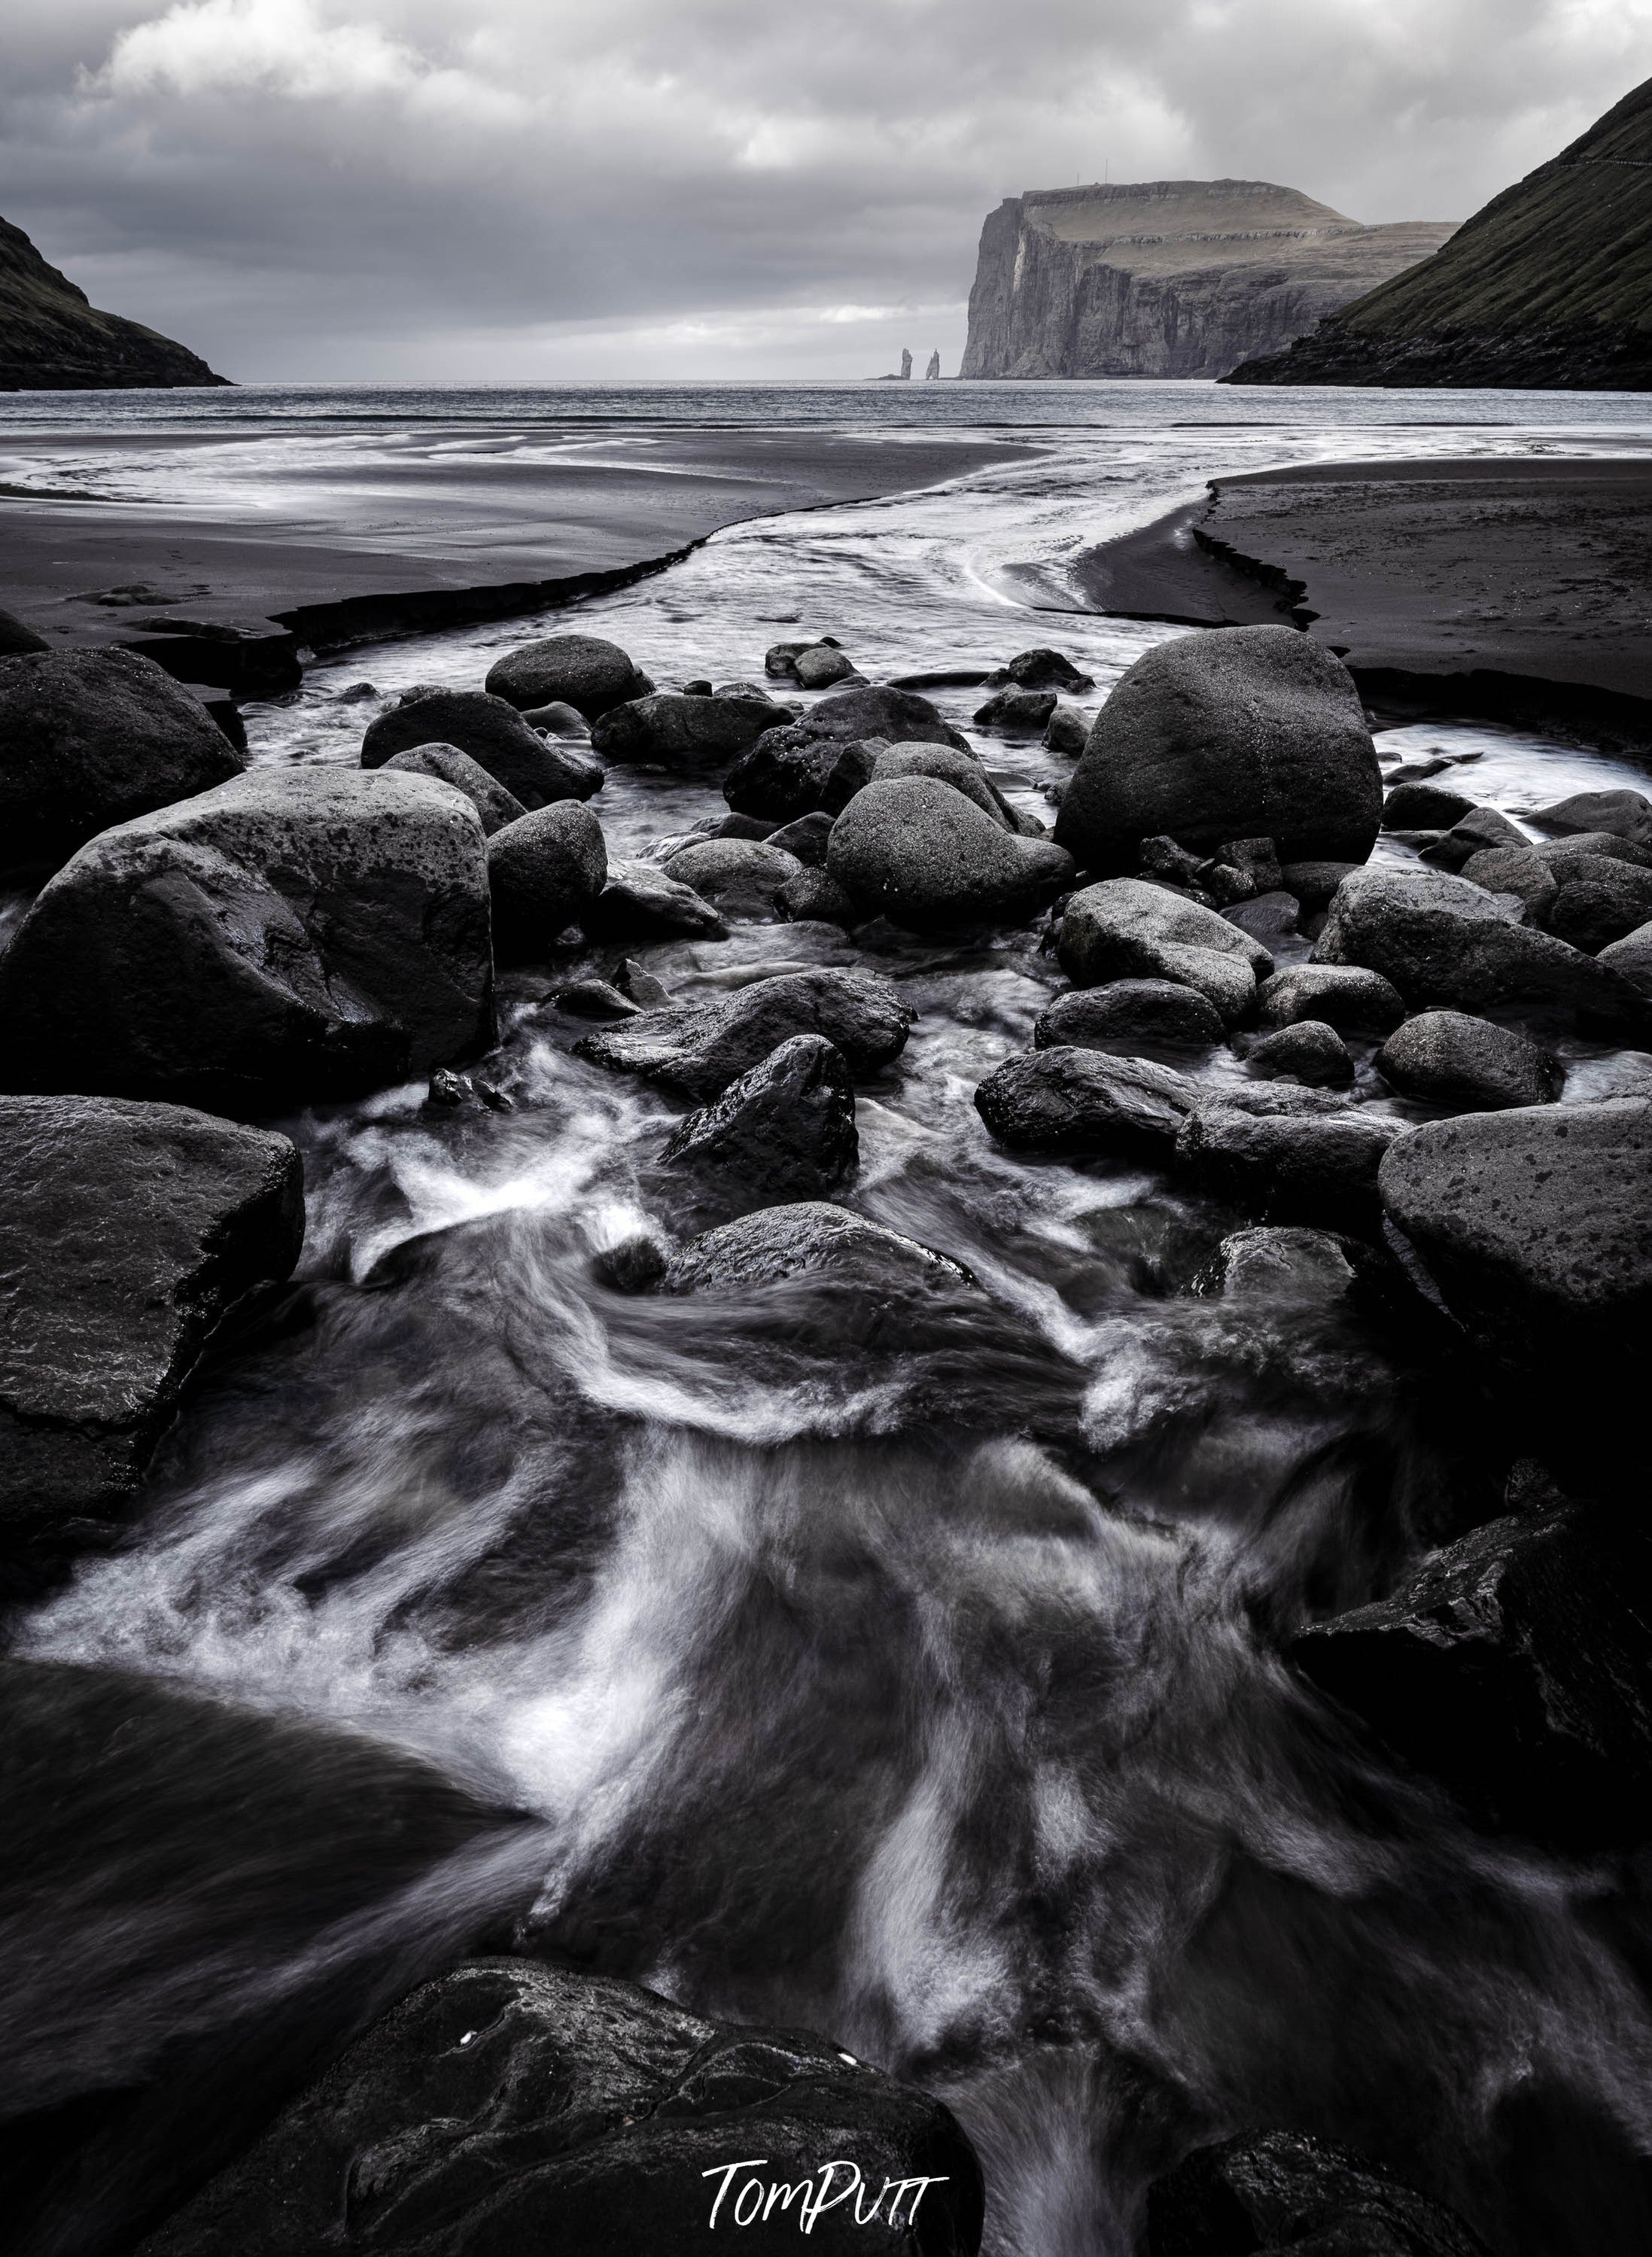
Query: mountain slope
[(53, 340), (1549, 286), (1166, 278)]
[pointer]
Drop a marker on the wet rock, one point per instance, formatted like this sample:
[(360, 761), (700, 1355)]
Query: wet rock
[(815, 897), (671, 730), (1259, 859), (1255, 732), (809, 1239), (961, 770), (635, 1265), (1289, 1167), (1039, 669), (1343, 996), (91, 737), (701, 1047), (741, 827), (1514, 870), (511, 2106), (1515, 1667), (1625, 814), (1024, 710), (1128, 927), (915, 851), (544, 870), (557, 719), (294, 935), (1067, 731), (897, 717), (1268, 918), (1536, 1226), (448, 764), (1126, 1012), (1268, 1263), (1631, 959), (788, 774), (642, 986), (1313, 883), (741, 876), (820, 666), (16, 639), (806, 837), (779, 657), (583, 672), (1599, 901), (495, 736), (1441, 940), (1467, 1065), (1164, 858), (594, 999), (1424, 807), (125, 1233), (1482, 830), (1283, 2191), (1558, 855), (640, 903), (781, 1133), (1084, 1101), (1307, 1051), (452, 1092)]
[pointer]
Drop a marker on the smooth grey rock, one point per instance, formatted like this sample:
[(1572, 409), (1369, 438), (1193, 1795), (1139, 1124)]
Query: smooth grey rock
[(820, 666), (1254, 733), (93, 738), (806, 837), (701, 1047), (594, 999), (1558, 854), (741, 826), (544, 870), (671, 729), (1343, 996), (1631, 959), (583, 672), (1068, 730), (1283, 2191), (897, 717), (742, 877), (782, 1132), (1128, 927), (495, 736), (961, 770), (1625, 814), (1026, 711), (125, 1232), (1289, 1167), (1084, 1101), (1307, 1051), (640, 903), (1467, 1065), (558, 719), (1270, 1264), (1441, 939), (297, 934), (448, 764), (1424, 807), (1514, 870), (1483, 830), (1125, 1012), (809, 1239), (917, 851), (1599, 901)]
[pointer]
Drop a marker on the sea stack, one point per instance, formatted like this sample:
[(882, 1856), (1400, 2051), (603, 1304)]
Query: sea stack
[(1548, 287), (906, 367), (933, 370), (1167, 278), (53, 340)]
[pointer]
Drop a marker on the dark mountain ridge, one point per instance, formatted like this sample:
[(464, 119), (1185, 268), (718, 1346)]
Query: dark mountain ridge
[(52, 339)]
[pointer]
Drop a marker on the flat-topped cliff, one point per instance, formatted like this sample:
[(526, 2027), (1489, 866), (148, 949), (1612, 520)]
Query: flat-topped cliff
[(1548, 286), (52, 339), (1168, 278)]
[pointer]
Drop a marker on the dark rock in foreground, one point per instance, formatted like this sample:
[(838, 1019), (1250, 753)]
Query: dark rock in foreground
[(1126, 1013), (1307, 1051), (640, 903), (91, 737), (495, 736), (1084, 1101), (671, 730), (1284, 2191), (544, 870), (1516, 1668), (811, 1239), (1255, 732), (294, 935), (583, 672), (1471, 1065), (897, 717), (1270, 1264), (913, 849), (702, 1047), (125, 1232), (1289, 1167), (1344, 996), (508, 2106), (782, 1132)]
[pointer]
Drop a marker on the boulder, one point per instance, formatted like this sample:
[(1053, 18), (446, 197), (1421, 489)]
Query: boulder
[(1026, 711), (1289, 1167), (92, 738), (1268, 1263), (1515, 1667), (1467, 1065), (125, 1233), (1254, 733), (1599, 901), (781, 1132), (1082, 1100), (897, 717), (788, 774), (671, 730), (1129, 927), (1344, 996), (580, 670), (1558, 854), (1482, 830), (15, 638), (701, 1047), (495, 736), (741, 877), (297, 934), (1313, 883), (512, 2107), (806, 837), (1424, 807), (558, 719), (1266, 2191), (1625, 814), (1267, 918), (915, 851), (1126, 1013), (1514, 870), (1307, 1051), (448, 764), (1536, 1226), (544, 870), (1067, 731), (640, 903), (821, 665), (809, 1239), (1441, 940), (961, 770), (1042, 668), (1631, 959), (813, 897)]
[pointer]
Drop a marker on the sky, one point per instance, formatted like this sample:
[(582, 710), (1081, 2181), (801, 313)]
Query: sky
[(416, 191)]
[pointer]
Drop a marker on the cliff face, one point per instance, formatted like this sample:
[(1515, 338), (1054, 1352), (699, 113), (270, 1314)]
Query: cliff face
[(53, 340), (1167, 278), (1548, 286)]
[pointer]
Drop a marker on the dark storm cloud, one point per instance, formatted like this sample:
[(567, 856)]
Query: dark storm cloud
[(382, 187)]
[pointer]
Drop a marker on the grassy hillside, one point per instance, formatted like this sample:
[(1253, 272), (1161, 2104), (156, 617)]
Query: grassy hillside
[(53, 340)]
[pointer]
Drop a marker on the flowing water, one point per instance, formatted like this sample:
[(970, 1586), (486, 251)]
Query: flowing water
[(919, 1685)]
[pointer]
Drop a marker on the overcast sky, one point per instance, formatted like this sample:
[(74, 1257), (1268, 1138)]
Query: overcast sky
[(487, 189)]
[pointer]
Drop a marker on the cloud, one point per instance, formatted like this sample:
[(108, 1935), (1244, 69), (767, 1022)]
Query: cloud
[(399, 190)]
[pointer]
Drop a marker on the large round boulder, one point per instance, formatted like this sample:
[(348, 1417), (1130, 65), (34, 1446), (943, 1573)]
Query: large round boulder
[(1082, 1100), (294, 935), (544, 870), (495, 736), (672, 729), (913, 849), (91, 737), (1254, 733), (740, 877), (1466, 1065), (897, 717), (1127, 1013), (1130, 928), (581, 670)]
